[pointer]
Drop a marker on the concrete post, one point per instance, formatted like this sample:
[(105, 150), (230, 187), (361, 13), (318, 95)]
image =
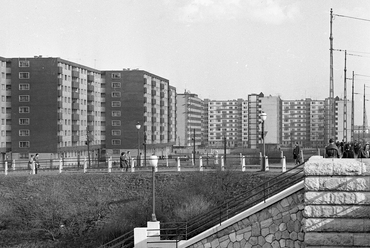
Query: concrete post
[(192, 159), (60, 166), (166, 160), (6, 168), (110, 165), (13, 164), (267, 168), (85, 165), (261, 162), (318, 151), (132, 165), (222, 163), (302, 158), (200, 163), (243, 163), (178, 164), (283, 164), (33, 167), (281, 154), (216, 159)]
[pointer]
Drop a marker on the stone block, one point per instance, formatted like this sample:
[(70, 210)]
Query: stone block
[(334, 167), (329, 239), (332, 183), (334, 225), (361, 239), (266, 223), (337, 198), (317, 211), (358, 183)]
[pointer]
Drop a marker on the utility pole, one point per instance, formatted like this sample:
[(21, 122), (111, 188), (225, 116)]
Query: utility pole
[(88, 145), (194, 146), (225, 149), (330, 125), (363, 118), (345, 98), (353, 108)]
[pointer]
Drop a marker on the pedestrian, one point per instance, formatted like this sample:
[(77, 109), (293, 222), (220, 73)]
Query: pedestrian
[(331, 150), (365, 152), (128, 160), (36, 160), (122, 160), (348, 151), (30, 164), (297, 154)]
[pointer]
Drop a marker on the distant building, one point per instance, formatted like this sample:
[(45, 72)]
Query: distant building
[(271, 105), (5, 107), (190, 109)]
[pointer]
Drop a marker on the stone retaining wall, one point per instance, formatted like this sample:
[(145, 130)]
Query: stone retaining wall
[(337, 203), (279, 225)]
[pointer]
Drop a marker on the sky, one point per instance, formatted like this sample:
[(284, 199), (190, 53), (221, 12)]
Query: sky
[(218, 49)]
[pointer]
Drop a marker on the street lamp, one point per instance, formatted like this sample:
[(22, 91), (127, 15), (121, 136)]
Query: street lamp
[(138, 126), (263, 117), (153, 162)]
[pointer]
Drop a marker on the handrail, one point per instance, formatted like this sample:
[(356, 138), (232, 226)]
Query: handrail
[(233, 206)]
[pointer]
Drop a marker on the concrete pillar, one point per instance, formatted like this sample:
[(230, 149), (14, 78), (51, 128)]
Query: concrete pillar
[(132, 165), (283, 164), (110, 165), (261, 161), (13, 164), (178, 164), (267, 167), (85, 165), (200, 163), (302, 158), (192, 159), (60, 165), (318, 151), (166, 160), (243, 163), (222, 163), (6, 168)]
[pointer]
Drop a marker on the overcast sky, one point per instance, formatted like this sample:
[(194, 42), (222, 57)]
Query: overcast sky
[(218, 49)]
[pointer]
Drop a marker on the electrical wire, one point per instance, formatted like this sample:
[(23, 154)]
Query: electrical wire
[(351, 17)]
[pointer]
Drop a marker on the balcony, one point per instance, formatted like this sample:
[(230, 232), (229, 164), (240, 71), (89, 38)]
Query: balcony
[(90, 78), (75, 138), (90, 128), (75, 84), (60, 81), (60, 70), (60, 116), (75, 117), (90, 108), (60, 138), (90, 98), (90, 118), (75, 127), (60, 127), (90, 88), (75, 95), (60, 93), (75, 74), (75, 106)]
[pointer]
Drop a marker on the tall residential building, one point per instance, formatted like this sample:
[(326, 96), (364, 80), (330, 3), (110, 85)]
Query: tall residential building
[(5, 104), (205, 121), (343, 131), (317, 117), (226, 122), (55, 108), (272, 105), (189, 119), (137, 96), (253, 120)]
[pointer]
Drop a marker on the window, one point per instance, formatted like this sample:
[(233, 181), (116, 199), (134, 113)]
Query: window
[(24, 121), (116, 84), (116, 132), (116, 104), (24, 75), (116, 123), (24, 109), (24, 86), (24, 98), (24, 63), (116, 94), (116, 75), (23, 155), (24, 144), (116, 113), (116, 142), (24, 132)]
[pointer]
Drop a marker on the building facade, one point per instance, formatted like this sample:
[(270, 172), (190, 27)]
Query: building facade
[(5, 107)]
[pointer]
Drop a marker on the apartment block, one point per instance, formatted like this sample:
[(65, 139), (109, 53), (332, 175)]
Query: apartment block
[(226, 122), (5, 116), (55, 108), (190, 110), (343, 120), (272, 105), (137, 96)]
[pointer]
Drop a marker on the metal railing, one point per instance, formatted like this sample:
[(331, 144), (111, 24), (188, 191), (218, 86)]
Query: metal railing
[(124, 241), (231, 207)]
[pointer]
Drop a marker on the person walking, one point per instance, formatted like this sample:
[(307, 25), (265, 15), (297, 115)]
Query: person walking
[(36, 160), (365, 152), (297, 154), (128, 160), (30, 164), (122, 160), (331, 150)]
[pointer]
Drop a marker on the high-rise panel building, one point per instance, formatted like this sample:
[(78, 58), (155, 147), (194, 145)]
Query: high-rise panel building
[(189, 119), (343, 130), (137, 96), (271, 105), (5, 109)]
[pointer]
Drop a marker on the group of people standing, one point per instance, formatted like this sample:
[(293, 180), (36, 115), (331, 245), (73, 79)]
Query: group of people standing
[(347, 149), (33, 161), (124, 160)]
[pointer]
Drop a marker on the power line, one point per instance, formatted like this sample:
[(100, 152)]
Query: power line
[(351, 17)]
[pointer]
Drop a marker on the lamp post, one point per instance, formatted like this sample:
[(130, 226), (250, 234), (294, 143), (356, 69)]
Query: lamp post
[(153, 162), (263, 117), (138, 126)]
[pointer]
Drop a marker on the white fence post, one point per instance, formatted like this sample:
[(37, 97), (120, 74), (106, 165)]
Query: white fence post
[(267, 167), (222, 163), (132, 165), (243, 163), (178, 164), (283, 164), (110, 165), (166, 160), (33, 167), (302, 158), (60, 165), (85, 165), (6, 168), (261, 160), (200, 163), (13, 164)]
